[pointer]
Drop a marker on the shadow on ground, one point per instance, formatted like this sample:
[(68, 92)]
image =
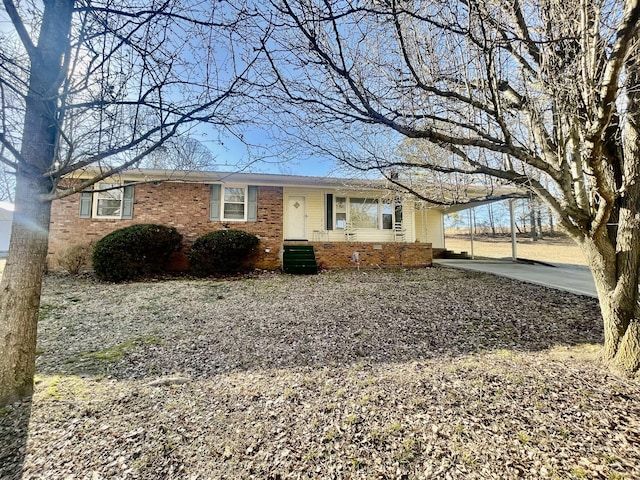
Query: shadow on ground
[(340, 375), (14, 424), (205, 328)]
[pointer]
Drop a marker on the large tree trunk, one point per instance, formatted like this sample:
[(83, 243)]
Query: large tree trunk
[(612, 251), (22, 278), (615, 272), (623, 346), (20, 290), (621, 331)]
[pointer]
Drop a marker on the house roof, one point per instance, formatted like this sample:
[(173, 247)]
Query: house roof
[(471, 195), (268, 179)]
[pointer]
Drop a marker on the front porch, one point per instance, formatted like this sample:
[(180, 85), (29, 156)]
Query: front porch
[(369, 254)]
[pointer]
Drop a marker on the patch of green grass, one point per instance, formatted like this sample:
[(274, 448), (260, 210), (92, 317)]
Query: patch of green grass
[(330, 435), (112, 353), (45, 310), (616, 476), (407, 453), (311, 456), (152, 340), (59, 387), (579, 472), (378, 436), (116, 352), (290, 394), (352, 419), (610, 459), (564, 432), (468, 459), (524, 438), (395, 427)]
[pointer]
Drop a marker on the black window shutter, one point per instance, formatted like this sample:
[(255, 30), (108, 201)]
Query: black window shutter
[(329, 212), (214, 202), (252, 203), (85, 204), (127, 202)]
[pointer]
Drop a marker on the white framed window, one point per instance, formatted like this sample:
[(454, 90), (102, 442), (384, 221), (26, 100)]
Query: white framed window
[(341, 212), (107, 200), (234, 203), (387, 215), (366, 213)]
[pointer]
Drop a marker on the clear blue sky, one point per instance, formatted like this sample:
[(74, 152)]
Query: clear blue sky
[(234, 155)]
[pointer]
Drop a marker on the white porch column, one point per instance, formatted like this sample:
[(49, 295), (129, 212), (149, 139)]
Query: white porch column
[(471, 225), (514, 244)]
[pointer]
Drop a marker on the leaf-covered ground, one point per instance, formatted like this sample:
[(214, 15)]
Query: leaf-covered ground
[(430, 373)]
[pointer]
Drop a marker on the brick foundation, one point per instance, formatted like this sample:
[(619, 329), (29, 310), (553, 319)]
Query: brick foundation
[(371, 255)]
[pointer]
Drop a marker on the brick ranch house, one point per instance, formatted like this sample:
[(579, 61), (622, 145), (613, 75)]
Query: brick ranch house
[(337, 217)]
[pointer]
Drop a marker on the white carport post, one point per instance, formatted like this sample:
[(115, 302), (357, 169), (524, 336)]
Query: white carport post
[(514, 244), (471, 222)]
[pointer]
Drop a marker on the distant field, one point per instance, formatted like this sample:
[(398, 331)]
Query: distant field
[(550, 249)]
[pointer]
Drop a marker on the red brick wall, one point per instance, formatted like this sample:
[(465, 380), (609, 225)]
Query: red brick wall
[(373, 255), (181, 205)]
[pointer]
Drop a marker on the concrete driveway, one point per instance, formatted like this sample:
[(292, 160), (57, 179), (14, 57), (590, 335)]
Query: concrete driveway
[(571, 278)]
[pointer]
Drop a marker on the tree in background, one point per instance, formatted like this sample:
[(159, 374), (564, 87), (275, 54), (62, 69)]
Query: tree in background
[(182, 153), (97, 87), (529, 92)]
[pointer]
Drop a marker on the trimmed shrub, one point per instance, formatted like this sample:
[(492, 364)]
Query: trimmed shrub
[(134, 252), (222, 251), (76, 258)]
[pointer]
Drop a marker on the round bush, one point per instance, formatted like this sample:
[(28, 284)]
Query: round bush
[(222, 251), (135, 251)]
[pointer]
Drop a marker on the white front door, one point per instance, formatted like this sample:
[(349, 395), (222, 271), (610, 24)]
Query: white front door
[(296, 222)]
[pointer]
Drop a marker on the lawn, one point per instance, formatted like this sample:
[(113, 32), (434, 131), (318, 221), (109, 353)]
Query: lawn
[(430, 373)]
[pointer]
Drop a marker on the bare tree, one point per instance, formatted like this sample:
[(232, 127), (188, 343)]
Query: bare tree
[(529, 92), (98, 86), (183, 153), (7, 185), (491, 219)]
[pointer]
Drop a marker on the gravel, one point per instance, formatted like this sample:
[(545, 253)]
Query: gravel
[(414, 374)]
